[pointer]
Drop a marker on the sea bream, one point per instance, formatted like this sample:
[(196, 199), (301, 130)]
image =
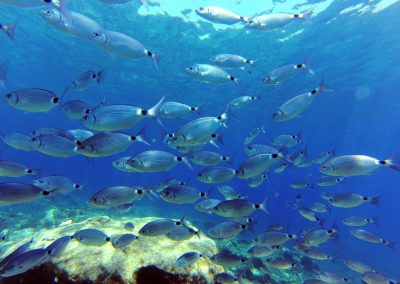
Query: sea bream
[(210, 74), (281, 74), (273, 21), (15, 170), (238, 208), (88, 78), (231, 61), (182, 194), (116, 195), (178, 110), (75, 109), (123, 45), (242, 101), (219, 15), (155, 161), (118, 117), (15, 193), (9, 29)]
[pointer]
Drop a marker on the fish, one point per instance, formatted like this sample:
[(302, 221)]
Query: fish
[(80, 134), (258, 180), (210, 74), (322, 157), (333, 278), (351, 200), (178, 110), (109, 143), (215, 175), (310, 215), (230, 229), (228, 192), (16, 170), (58, 184), (231, 61), (91, 237), (371, 238), (88, 78), (273, 21), (372, 277), (156, 161), (15, 193), (32, 100), (253, 134), (123, 241), (161, 227), (201, 130), (329, 180), (274, 238), (319, 207), (281, 166), (207, 158), (242, 101), (301, 184), (182, 194), (281, 263), (188, 259), (58, 246), (255, 149), (237, 208), (315, 236), (276, 227), (72, 23), (124, 208), (25, 261), (262, 251), (207, 205), (296, 106), (121, 165), (116, 196), (18, 141), (182, 233), (358, 221), (317, 254), (358, 267), (75, 109), (118, 117), (123, 45), (9, 29), (55, 145), (219, 15), (19, 250), (225, 277), (129, 226), (287, 140), (227, 259), (258, 164), (356, 165), (281, 74)]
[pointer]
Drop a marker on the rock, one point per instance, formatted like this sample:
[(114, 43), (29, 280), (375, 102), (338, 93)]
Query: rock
[(143, 258)]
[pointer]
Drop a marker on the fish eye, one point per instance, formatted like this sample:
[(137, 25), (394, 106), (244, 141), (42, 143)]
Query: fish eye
[(201, 8), (324, 168), (251, 21), (294, 136), (94, 76), (85, 117), (8, 96)]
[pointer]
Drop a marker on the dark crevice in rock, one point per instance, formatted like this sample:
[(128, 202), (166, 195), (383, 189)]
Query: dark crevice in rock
[(152, 275)]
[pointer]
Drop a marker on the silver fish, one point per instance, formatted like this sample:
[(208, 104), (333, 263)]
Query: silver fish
[(253, 134), (329, 180), (242, 101), (88, 78), (358, 266), (21, 249), (123, 241), (358, 221), (219, 15), (225, 277), (25, 261), (371, 237), (284, 73), (355, 165), (237, 208), (258, 164), (216, 175), (15, 170), (57, 184), (262, 251), (91, 237), (351, 200), (160, 227), (57, 247), (155, 161), (32, 100), (372, 277), (316, 236), (227, 259), (123, 45), (182, 233), (258, 180), (118, 117), (54, 145), (207, 158), (255, 149), (274, 238), (207, 205), (231, 61), (210, 74), (228, 192), (287, 140), (281, 263), (15, 193), (178, 110), (229, 230), (75, 109), (80, 134), (188, 259), (324, 156), (18, 141), (115, 196), (9, 30), (182, 194)]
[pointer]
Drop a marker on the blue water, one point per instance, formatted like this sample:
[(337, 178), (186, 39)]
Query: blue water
[(348, 51)]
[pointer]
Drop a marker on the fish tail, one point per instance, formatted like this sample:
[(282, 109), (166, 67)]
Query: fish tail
[(62, 6), (199, 109), (376, 199), (155, 111), (218, 141), (252, 62), (264, 206), (141, 136), (323, 88), (38, 172), (306, 14), (10, 30), (393, 162), (391, 245), (100, 77), (227, 115), (307, 66), (154, 57), (235, 80), (186, 161), (244, 19)]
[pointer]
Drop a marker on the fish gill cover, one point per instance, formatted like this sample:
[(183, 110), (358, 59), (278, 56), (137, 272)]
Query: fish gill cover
[(198, 141)]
